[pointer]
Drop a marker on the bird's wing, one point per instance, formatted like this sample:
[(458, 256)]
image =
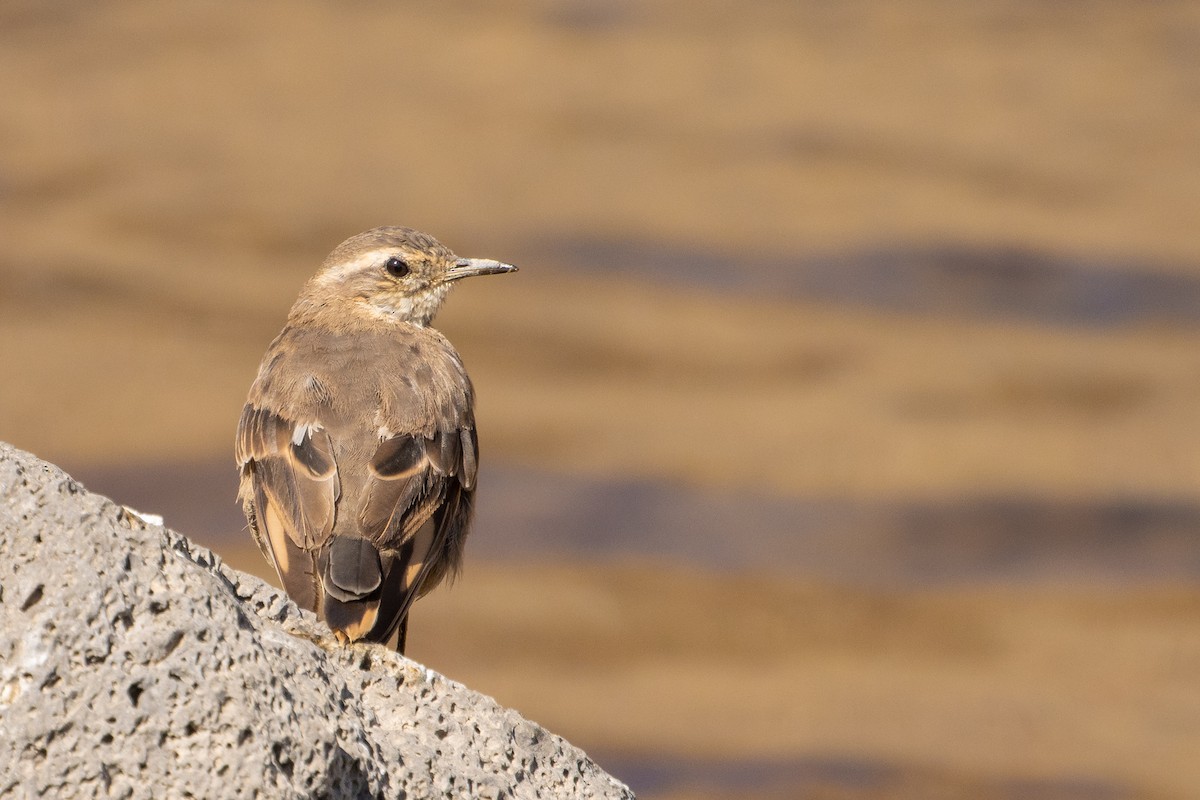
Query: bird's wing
[(416, 509), (290, 487)]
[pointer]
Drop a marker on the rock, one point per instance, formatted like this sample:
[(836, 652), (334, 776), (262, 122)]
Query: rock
[(135, 664)]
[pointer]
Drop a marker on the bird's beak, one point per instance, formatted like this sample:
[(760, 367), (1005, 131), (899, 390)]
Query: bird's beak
[(468, 267)]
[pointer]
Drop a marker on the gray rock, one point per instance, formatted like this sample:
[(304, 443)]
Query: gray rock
[(135, 664)]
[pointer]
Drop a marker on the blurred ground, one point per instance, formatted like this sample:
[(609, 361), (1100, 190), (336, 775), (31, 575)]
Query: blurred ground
[(921, 264)]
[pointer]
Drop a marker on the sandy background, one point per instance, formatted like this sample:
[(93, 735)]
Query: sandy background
[(934, 267)]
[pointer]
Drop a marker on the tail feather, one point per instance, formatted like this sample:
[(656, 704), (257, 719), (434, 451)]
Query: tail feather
[(352, 568)]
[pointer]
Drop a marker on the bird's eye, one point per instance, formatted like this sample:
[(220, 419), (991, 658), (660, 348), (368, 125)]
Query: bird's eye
[(397, 267)]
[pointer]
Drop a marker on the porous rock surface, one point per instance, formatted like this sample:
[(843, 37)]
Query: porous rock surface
[(135, 664)]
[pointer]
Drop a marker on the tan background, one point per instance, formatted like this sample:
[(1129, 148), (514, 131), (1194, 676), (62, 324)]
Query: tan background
[(169, 175)]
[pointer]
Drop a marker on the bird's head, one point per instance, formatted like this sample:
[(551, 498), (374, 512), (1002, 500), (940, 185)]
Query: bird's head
[(393, 274)]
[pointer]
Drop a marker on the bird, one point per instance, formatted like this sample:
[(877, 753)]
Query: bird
[(357, 448)]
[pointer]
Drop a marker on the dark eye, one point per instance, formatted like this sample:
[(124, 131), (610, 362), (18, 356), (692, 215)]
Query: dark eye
[(397, 267)]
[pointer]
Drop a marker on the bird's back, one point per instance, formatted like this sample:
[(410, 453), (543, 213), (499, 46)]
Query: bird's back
[(393, 407)]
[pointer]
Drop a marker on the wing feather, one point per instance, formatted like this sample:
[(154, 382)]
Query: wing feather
[(290, 487), (416, 510)]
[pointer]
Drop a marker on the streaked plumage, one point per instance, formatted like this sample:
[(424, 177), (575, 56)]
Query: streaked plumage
[(357, 444)]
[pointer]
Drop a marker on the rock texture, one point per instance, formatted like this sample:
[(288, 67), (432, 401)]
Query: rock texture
[(135, 664)]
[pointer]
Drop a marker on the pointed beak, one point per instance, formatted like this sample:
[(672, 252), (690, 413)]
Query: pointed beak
[(469, 267)]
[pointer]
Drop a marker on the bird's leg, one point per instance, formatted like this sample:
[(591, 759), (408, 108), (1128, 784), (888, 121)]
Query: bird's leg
[(401, 635)]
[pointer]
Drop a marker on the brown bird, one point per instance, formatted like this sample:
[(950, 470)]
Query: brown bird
[(357, 444)]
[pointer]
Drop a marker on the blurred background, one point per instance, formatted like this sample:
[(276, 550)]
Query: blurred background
[(839, 430)]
